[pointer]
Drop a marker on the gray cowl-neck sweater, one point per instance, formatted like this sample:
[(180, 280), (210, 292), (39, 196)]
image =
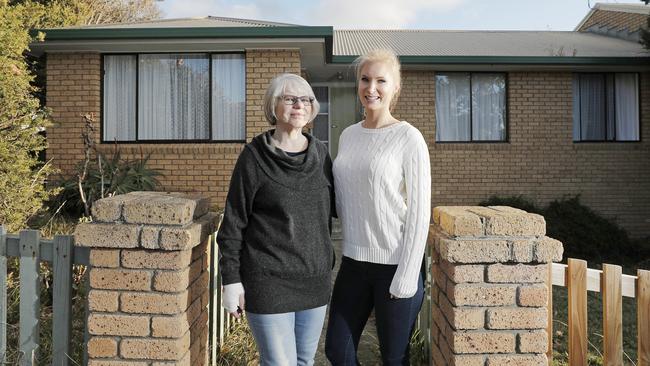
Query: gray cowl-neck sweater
[(275, 233)]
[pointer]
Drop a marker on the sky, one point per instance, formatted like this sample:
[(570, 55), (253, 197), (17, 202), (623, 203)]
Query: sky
[(556, 15)]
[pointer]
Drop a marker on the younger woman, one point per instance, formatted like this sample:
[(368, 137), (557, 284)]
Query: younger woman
[(383, 198)]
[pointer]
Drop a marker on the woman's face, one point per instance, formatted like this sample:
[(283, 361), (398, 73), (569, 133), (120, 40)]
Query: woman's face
[(377, 86), (289, 114)]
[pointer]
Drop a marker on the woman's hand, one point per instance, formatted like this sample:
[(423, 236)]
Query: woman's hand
[(233, 299)]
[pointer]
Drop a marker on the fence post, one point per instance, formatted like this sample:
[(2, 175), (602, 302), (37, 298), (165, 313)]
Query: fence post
[(30, 296), (3, 295), (577, 288), (63, 249), (489, 292), (148, 279), (643, 317), (612, 292)]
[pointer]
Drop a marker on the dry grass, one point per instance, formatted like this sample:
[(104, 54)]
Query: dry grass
[(239, 347), (594, 328), (45, 318)]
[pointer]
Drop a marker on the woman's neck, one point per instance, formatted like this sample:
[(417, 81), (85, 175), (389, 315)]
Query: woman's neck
[(289, 139), (379, 119)]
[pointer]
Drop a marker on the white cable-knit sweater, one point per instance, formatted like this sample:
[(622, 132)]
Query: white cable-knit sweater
[(382, 179)]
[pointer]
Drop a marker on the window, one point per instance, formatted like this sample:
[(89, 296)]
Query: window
[(606, 107), (321, 123), (470, 107), (174, 97)]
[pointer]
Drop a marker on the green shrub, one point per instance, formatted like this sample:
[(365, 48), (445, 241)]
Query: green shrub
[(585, 233), (22, 175), (106, 177)]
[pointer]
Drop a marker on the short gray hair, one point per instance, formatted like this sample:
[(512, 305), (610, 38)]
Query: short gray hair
[(276, 89)]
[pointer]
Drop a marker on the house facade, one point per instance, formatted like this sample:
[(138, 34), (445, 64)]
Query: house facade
[(540, 114)]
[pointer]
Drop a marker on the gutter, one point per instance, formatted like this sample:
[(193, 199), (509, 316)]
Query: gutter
[(77, 34), (511, 60)]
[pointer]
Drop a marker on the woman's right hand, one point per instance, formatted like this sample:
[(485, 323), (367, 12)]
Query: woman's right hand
[(233, 299)]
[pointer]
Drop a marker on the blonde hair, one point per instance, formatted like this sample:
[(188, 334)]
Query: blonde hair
[(385, 56), (276, 88)]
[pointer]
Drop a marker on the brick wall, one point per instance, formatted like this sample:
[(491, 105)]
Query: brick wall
[(261, 67), (615, 20), (73, 89), (148, 298), (540, 161), (489, 299)]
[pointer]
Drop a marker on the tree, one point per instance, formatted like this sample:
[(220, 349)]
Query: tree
[(23, 117), (22, 176), (117, 11), (60, 13)]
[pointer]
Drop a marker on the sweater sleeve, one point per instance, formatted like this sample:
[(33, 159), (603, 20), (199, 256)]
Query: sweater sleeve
[(239, 202), (417, 176)]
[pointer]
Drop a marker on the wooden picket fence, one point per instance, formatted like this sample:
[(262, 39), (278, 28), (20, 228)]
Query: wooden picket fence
[(31, 249), (614, 285), (62, 254)]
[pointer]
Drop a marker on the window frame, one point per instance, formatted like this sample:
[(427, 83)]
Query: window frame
[(321, 113), (137, 95), (506, 138), (604, 75)]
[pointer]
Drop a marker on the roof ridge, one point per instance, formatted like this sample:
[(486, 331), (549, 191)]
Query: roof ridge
[(623, 7), (172, 20), (450, 31), (255, 21), (101, 25)]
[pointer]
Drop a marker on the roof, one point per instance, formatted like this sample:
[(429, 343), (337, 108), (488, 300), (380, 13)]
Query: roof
[(416, 47), (619, 8), (484, 43), (624, 8), (198, 22)]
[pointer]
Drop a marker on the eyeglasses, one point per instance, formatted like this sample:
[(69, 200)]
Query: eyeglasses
[(292, 100)]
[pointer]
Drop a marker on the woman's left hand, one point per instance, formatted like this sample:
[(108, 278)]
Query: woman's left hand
[(233, 298)]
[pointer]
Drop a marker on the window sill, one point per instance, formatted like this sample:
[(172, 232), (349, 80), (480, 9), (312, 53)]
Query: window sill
[(609, 145), (171, 147), (471, 145)]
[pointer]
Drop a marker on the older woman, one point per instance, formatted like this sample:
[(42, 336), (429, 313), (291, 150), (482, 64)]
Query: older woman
[(275, 236), (383, 198)]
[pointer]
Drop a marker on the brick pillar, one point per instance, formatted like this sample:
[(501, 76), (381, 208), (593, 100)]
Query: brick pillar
[(489, 292), (148, 296)]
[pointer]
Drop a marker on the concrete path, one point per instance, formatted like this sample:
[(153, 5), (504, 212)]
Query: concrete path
[(368, 352)]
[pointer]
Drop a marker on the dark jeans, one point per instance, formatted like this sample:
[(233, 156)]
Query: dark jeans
[(359, 287)]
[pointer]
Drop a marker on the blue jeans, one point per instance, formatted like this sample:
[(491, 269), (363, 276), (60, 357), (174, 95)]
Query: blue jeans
[(360, 287), (287, 339)]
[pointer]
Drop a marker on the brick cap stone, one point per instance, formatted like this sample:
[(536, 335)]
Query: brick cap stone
[(478, 221), (153, 208), (492, 249), (171, 236)]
